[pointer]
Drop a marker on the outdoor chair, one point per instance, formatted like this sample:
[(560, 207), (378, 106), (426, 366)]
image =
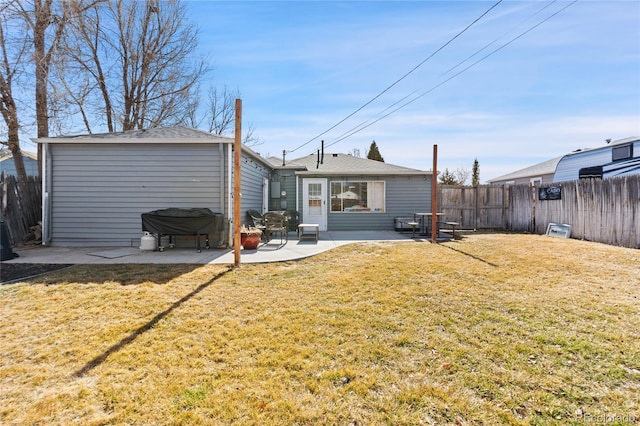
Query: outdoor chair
[(255, 219), (294, 218), (274, 223)]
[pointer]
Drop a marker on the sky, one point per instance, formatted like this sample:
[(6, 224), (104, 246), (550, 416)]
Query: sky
[(527, 82)]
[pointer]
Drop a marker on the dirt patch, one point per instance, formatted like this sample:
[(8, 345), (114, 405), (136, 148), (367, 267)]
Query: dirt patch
[(15, 271)]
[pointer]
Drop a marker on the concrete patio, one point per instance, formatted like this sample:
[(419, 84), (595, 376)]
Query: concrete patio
[(273, 251)]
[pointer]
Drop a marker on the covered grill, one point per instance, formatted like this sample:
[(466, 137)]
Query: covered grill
[(176, 221)]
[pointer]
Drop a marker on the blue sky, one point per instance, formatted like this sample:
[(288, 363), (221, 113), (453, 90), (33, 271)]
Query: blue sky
[(303, 66)]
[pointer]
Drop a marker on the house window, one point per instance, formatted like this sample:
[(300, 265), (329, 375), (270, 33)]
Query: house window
[(622, 152), (354, 197)]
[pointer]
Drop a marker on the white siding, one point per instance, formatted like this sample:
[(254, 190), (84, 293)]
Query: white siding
[(99, 191)]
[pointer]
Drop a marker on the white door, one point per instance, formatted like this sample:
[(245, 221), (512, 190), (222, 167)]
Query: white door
[(314, 202)]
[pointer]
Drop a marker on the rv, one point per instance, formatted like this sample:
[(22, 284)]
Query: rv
[(617, 158)]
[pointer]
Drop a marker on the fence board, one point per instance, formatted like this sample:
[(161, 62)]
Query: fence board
[(606, 211), (21, 206)]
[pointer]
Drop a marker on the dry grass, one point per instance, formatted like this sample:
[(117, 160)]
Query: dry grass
[(491, 329)]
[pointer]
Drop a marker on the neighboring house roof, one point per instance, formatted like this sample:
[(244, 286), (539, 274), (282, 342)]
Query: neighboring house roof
[(345, 164), (30, 162), (544, 168), (177, 134), (5, 154)]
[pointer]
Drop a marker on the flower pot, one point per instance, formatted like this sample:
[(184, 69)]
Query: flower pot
[(249, 241)]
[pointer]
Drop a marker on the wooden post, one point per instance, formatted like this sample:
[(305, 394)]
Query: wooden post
[(434, 196), (237, 155)]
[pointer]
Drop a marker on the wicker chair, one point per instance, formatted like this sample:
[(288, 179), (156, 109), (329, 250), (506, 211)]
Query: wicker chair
[(274, 223)]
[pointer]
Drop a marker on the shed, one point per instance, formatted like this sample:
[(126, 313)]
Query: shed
[(95, 187)]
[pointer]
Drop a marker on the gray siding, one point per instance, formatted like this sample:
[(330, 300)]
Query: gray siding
[(253, 173), (99, 191), (287, 181), (404, 195)]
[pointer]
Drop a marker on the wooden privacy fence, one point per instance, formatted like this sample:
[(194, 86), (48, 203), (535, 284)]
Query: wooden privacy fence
[(21, 206), (606, 211), (479, 207)]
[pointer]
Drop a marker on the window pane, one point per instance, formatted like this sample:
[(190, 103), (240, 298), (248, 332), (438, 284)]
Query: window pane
[(357, 197)]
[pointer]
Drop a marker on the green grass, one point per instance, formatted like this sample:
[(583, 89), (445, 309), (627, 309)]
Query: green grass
[(491, 329)]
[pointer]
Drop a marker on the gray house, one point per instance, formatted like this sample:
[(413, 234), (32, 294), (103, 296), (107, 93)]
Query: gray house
[(343, 192), (533, 175), (29, 159), (95, 187)]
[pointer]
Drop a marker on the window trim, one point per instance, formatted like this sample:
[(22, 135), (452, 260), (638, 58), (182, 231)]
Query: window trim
[(346, 182)]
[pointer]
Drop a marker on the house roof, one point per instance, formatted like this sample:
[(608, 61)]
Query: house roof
[(345, 164), (544, 168), (177, 134), (5, 154)]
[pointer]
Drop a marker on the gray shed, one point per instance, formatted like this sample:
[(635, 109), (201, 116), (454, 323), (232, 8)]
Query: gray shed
[(95, 187)]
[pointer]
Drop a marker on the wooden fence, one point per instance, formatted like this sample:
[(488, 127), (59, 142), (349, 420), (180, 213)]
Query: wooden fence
[(606, 211), (480, 207), (21, 206)]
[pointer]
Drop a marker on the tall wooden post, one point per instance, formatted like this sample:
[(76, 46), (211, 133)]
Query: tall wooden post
[(434, 196), (237, 156)]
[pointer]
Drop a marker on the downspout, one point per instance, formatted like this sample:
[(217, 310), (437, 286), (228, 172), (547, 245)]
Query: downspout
[(221, 195), (46, 194), (297, 203), (229, 195)]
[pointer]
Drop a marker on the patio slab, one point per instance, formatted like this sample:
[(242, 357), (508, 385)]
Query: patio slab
[(273, 251)]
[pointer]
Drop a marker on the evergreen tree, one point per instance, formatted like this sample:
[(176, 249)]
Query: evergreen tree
[(448, 178), (475, 174), (374, 153)]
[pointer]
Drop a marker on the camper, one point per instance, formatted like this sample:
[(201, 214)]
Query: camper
[(617, 158)]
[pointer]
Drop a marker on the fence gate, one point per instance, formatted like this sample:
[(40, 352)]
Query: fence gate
[(483, 206)]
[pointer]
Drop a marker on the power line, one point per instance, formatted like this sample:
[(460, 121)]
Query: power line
[(401, 78), (366, 124)]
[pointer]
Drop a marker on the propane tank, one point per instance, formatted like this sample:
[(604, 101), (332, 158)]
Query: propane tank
[(148, 242)]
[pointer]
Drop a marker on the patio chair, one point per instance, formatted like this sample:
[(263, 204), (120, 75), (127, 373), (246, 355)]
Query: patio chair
[(294, 218), (255, 219), (274, 223)]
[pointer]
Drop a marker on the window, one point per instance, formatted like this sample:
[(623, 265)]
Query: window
[(354, 197), (622, 152)]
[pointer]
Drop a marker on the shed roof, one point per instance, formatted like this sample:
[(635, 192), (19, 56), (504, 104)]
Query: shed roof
[(177, 134), (346, 164)]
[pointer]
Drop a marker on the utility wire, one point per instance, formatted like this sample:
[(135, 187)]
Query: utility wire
[(363, 126), (401, 78)]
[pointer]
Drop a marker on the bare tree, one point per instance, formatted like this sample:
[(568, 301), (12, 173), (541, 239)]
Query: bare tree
[(221, 110), (458, 177), (14, 53), (45, 21), (138, 56), (220, 114)]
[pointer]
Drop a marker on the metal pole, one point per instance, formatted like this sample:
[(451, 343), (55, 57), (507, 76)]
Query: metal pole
[(434, 196), (237, 155)]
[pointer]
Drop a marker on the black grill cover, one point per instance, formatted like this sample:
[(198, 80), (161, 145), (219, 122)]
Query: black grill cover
[(176, 221)]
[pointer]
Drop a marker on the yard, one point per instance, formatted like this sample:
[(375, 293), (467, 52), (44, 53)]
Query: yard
[(490, 329)]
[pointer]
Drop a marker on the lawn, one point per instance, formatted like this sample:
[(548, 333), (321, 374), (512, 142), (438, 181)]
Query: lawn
[(490, 329)]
